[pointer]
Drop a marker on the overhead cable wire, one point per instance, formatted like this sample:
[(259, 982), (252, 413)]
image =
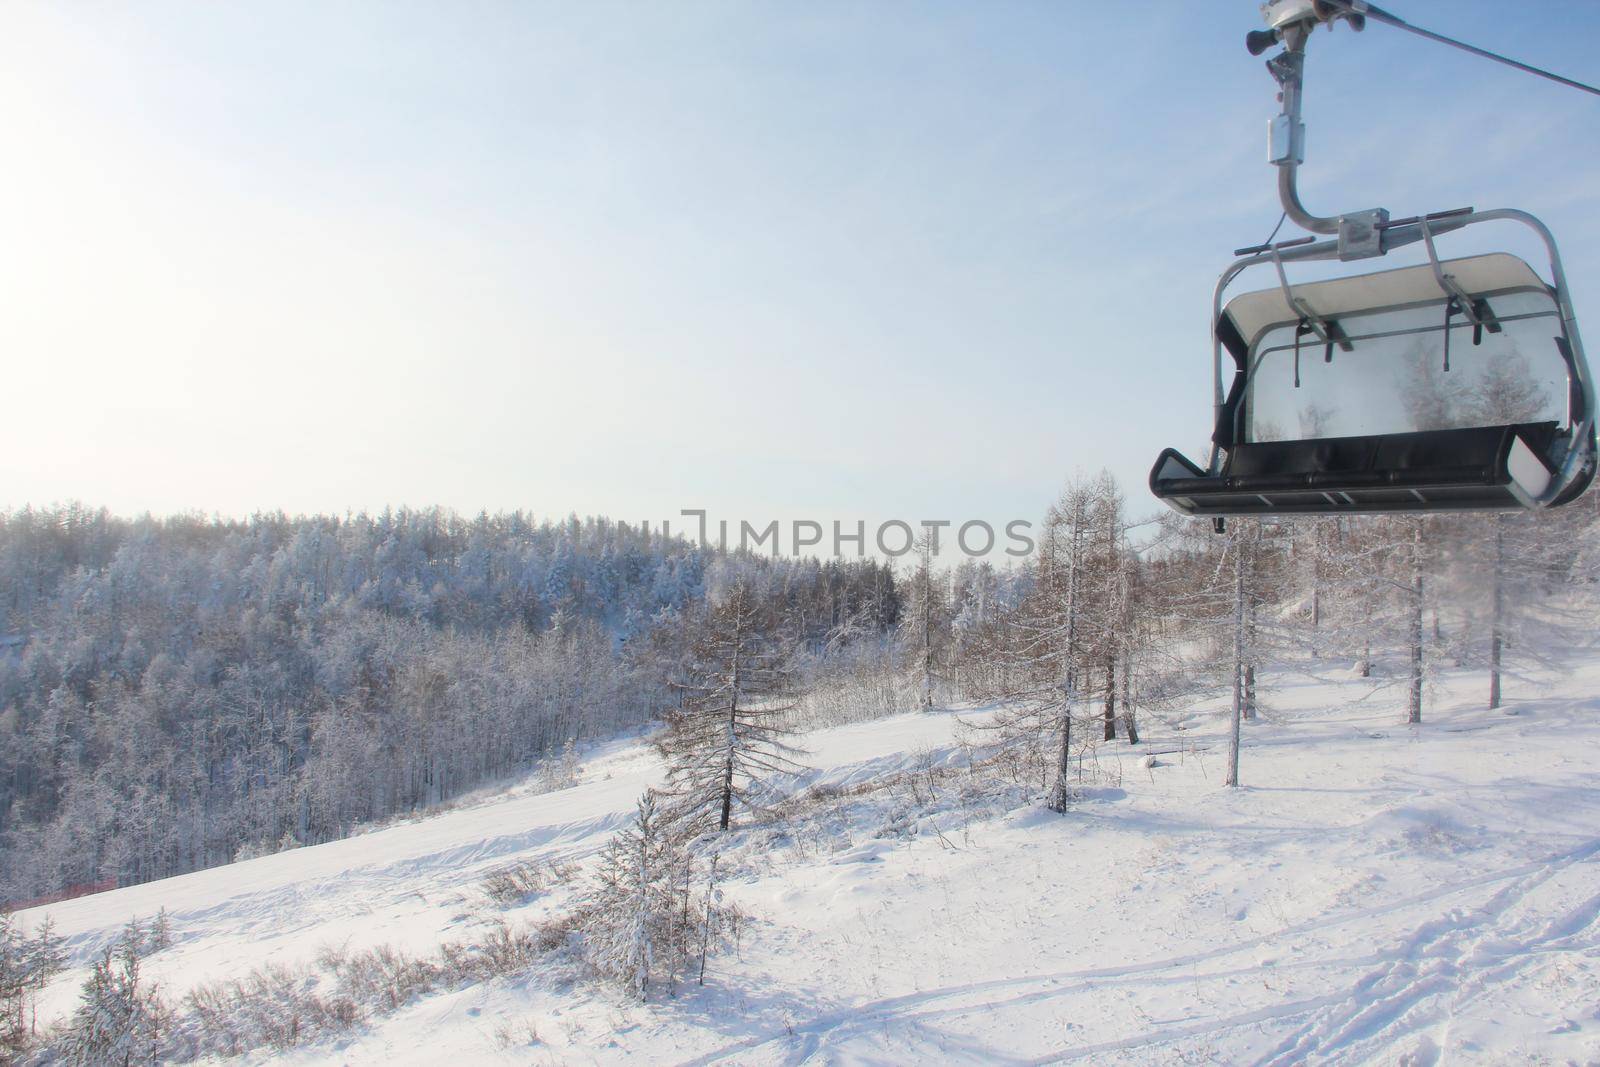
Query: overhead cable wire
[(1372, 11)]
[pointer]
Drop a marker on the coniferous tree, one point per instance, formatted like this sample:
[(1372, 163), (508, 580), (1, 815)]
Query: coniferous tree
[(120, 1017), (1046, 652), (925, 621), (729, 730), (27, 963), (631, 913)]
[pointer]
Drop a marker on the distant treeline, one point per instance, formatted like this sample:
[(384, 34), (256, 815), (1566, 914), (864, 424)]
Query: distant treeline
[(175, 692)]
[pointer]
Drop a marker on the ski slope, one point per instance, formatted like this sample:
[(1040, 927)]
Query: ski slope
[(1376, 893)]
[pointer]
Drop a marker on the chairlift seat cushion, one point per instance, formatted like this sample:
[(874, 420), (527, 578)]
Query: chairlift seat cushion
[(1480, 468)]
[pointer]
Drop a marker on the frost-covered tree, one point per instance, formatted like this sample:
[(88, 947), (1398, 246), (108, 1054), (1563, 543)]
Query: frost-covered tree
[(729, 730), (634, 909), (120, 1017), (1047, 650), (1516, 582), (925, 620), (175, 693), (27, 963), (1106, 590)]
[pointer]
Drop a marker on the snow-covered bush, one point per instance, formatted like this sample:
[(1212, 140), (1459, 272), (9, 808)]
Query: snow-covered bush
[(279, 1007), (514, 883), (385, 977), (561, 772), (272, 1006)]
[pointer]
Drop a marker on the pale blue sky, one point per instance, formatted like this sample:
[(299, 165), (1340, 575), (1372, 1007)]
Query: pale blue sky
[(831, 260)]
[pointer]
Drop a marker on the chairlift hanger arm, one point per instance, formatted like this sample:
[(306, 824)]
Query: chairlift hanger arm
[(1362, 234)]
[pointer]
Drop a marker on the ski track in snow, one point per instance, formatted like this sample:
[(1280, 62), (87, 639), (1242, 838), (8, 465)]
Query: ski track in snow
[(1440, 966), (1369, 1010)]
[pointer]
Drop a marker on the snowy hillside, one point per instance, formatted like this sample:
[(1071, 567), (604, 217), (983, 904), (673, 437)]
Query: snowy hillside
[(1376, 892)]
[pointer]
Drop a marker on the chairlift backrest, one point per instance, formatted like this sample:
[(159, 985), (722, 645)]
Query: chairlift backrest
[(1392, 353)]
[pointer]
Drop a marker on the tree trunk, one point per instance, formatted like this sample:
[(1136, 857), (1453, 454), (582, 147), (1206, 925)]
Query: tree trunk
[(727, 795), (1497, 628), (1316, 620), (705, 929), (1128, 722), (927, 636), (1059, 801), (1250, 627), (1414, 701), (1316, 582), (1238, 662), (727, 767), (1111, 699)]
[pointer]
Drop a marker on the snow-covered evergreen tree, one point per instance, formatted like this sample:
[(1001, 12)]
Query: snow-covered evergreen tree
[(120, 1017), (925, 621), (633, 911), (27, 963), (729, 730)]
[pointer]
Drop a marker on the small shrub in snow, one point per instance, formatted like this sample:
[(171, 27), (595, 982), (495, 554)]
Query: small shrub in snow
[(503, 952), (272, 1006), (557, 932), (515, 1033), (561, 772), (385, 977), (511, 885), (159, 936), (148, 940)]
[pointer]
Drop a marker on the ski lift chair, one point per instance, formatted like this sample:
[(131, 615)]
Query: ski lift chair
[(1454, 385)]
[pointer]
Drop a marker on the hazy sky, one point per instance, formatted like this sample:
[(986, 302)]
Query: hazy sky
[(831, 260)]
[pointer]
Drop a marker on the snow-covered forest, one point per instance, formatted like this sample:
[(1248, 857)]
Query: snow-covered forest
[(176, 694), (179, 693)]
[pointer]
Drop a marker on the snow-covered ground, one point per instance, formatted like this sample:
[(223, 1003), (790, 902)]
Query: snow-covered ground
[(1376, 892)]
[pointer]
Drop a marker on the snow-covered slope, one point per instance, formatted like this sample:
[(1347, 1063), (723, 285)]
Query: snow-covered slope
[(1376, 892)]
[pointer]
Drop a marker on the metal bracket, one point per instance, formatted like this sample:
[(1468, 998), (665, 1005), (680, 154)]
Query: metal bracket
[(1447, 282), (1286, 141), (1312, 319), (1286, 134), (1361, 234)]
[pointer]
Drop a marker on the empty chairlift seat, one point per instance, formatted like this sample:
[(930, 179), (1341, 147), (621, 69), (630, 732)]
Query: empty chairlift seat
[(1478, 469), (1418, 389)]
